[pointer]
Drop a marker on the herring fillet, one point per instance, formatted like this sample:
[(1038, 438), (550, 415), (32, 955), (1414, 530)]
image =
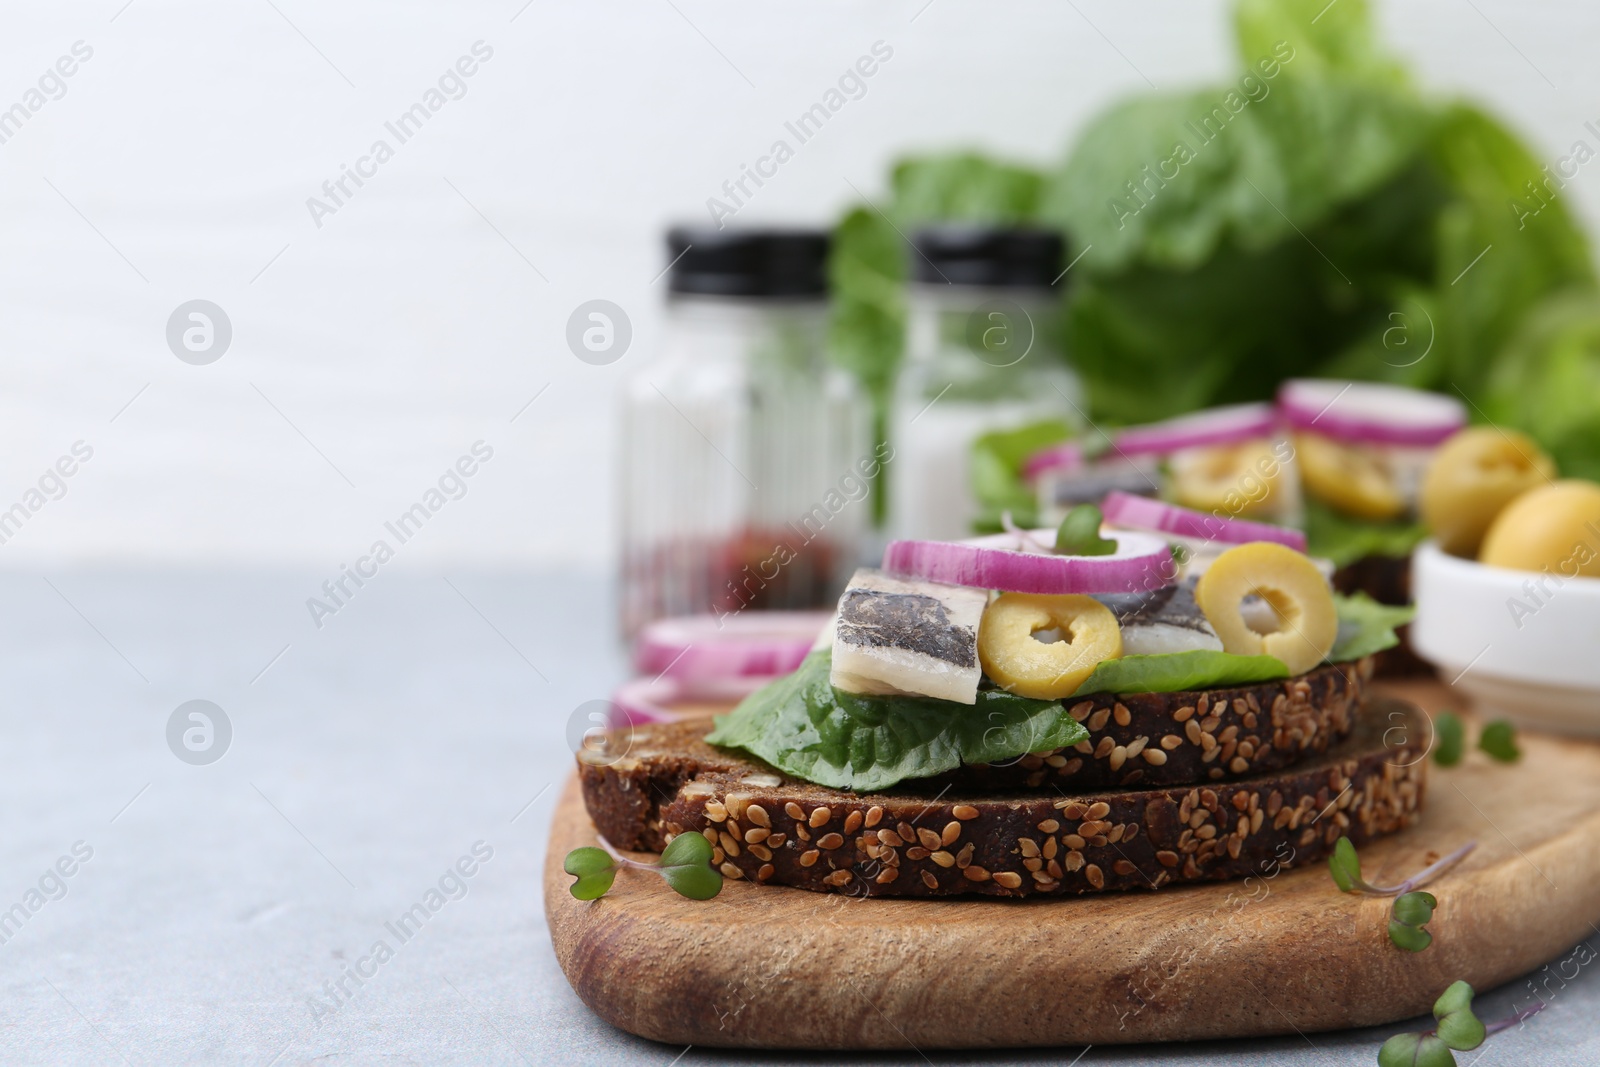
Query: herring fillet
[(1163, 620), (907, 636)]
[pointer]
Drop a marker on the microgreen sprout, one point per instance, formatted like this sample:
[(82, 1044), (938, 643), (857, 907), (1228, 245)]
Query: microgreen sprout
[(1499, 740), (1079, 533), (1411, 909), (685, 864), (1456, 1029), (1449, 741), (1346, 869)]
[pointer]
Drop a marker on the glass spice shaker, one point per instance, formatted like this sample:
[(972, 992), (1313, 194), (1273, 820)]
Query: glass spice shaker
[(982, 355), (745, 460)]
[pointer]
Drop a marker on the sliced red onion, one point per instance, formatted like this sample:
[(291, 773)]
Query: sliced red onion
[(1142, 513), (1065, 456), (702, 647), (1214, 426), (1015, 564), (667, 699), (1370, 412)]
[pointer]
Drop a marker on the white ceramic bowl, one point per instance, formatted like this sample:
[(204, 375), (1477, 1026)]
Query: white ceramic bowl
[(1524, 645)]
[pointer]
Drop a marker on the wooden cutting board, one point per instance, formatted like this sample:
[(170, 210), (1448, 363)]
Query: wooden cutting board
[(774, 967)]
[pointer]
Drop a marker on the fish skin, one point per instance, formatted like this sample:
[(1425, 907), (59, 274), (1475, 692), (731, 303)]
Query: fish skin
[(914, 622), (1163, 620), (907, 636)]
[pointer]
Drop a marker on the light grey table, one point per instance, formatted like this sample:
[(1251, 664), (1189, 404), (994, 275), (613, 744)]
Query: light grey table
[(223, 901)]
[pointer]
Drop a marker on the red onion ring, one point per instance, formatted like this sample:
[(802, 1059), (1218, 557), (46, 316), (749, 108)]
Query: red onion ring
[(1142, 513), (1213, 426), (1370, 412), (708, 647), (658, 699), (1141, 563)]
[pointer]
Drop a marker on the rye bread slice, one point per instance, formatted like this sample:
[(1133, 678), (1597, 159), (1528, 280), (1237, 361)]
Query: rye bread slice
[(1151, 739), (774, 829)]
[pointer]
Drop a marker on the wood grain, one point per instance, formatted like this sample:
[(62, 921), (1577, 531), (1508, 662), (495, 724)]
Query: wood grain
[(771, 967)]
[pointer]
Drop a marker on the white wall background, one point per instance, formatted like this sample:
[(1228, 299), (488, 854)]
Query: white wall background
[(407, 328)]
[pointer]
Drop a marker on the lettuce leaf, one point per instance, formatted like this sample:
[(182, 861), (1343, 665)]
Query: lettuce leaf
[(1342, 539), (1332, 220), (1177, 672), (803, 726), (1366, 626)]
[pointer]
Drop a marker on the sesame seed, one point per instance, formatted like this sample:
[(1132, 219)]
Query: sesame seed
[(1171, 741), (760, 852), (1009, 879), (1096, 878), (976, 874), (890, 838), (1167, 858), (887, 875), (715, 811), (929, 880), (774, 840), (929, 839), (820, 816), (829, 841), (767, 871), (730, 871), (755, 835), (960, 811), (1122, 716), (1099, 810), (1072, 841), (917, 852), (952, 831), (942, 858), (1239, 765), (1049, 826), (758, 815), (1028, 846), (852, 822), (874, 815), (794, 811), (810, 857), (710, 834), (1154, 756), (1098, 720)]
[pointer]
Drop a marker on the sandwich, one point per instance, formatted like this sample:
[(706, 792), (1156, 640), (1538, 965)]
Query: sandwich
[(1042, 712)]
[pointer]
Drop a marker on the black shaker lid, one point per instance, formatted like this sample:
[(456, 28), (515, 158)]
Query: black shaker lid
[(980, 255), (747, 262)]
